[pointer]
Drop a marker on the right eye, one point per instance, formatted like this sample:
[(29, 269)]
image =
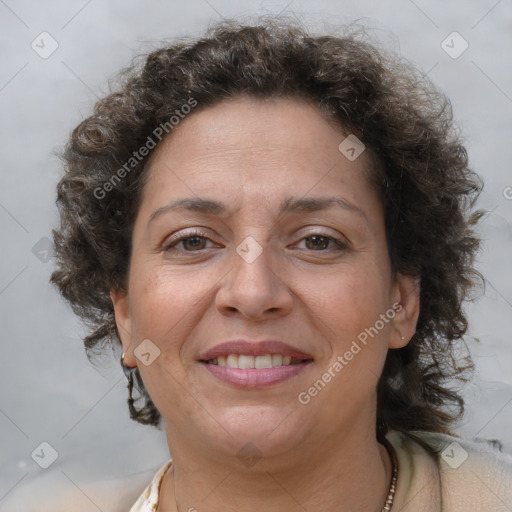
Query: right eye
[(191, 242)]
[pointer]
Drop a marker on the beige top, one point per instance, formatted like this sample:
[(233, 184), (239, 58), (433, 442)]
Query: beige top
[(463, 475)]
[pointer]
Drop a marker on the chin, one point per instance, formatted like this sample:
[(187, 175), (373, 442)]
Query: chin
[(270, 429)]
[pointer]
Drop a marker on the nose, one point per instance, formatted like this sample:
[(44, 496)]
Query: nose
[(254, 287)]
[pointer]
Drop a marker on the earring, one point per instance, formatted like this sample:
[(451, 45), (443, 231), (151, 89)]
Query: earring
[(130, 374), (403, 337), (128, 370)]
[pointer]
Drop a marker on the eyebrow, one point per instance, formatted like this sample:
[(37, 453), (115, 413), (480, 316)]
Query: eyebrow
[(289, 205)]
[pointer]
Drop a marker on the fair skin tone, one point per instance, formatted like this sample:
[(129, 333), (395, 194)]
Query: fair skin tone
[(188, 296)]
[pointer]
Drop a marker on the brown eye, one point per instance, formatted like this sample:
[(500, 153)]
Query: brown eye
[(317, 242), (190, 242), (323, 243)]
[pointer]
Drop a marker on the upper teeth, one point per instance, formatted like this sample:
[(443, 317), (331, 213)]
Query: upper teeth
[(244, 361)]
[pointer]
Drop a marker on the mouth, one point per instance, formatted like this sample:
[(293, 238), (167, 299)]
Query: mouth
[(252, 377), (247, 361), (254, 365)]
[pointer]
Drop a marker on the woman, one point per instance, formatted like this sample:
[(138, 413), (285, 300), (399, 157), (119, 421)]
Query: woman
[(277, 229)]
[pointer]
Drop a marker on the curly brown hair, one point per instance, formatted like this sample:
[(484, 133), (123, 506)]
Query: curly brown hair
[(420, 169)]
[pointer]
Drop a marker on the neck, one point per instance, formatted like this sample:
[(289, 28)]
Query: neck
[(352, 473)]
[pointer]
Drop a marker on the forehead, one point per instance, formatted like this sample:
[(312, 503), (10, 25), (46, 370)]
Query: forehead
[(262, 148), (243, 123)]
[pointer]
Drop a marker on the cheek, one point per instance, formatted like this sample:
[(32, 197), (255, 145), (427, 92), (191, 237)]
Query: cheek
[(346, 311), (165, 307), (349, 300), (165, 304)]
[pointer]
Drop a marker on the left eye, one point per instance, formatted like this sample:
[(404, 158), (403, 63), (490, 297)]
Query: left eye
[(319, 242)]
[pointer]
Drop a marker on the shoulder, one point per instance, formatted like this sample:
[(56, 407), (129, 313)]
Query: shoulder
[(148, 500), (472, 472), (468, 472), (55, 491)]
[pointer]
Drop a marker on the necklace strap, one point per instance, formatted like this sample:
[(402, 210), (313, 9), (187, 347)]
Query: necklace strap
[(394, 478)]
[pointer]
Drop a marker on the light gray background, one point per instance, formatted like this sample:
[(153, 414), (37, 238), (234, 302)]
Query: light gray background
[(49, 391)]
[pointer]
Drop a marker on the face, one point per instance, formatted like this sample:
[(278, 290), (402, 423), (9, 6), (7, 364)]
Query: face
[(253, 226)]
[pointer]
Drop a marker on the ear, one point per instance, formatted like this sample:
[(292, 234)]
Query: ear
[(124, 324), (406, 304)]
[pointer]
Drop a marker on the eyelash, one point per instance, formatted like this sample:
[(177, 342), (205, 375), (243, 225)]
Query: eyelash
[(340, 244)]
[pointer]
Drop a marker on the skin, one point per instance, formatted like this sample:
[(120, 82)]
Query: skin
[(251, 154)]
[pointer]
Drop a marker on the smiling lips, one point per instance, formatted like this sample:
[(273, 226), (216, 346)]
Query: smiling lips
[(254, 364)]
